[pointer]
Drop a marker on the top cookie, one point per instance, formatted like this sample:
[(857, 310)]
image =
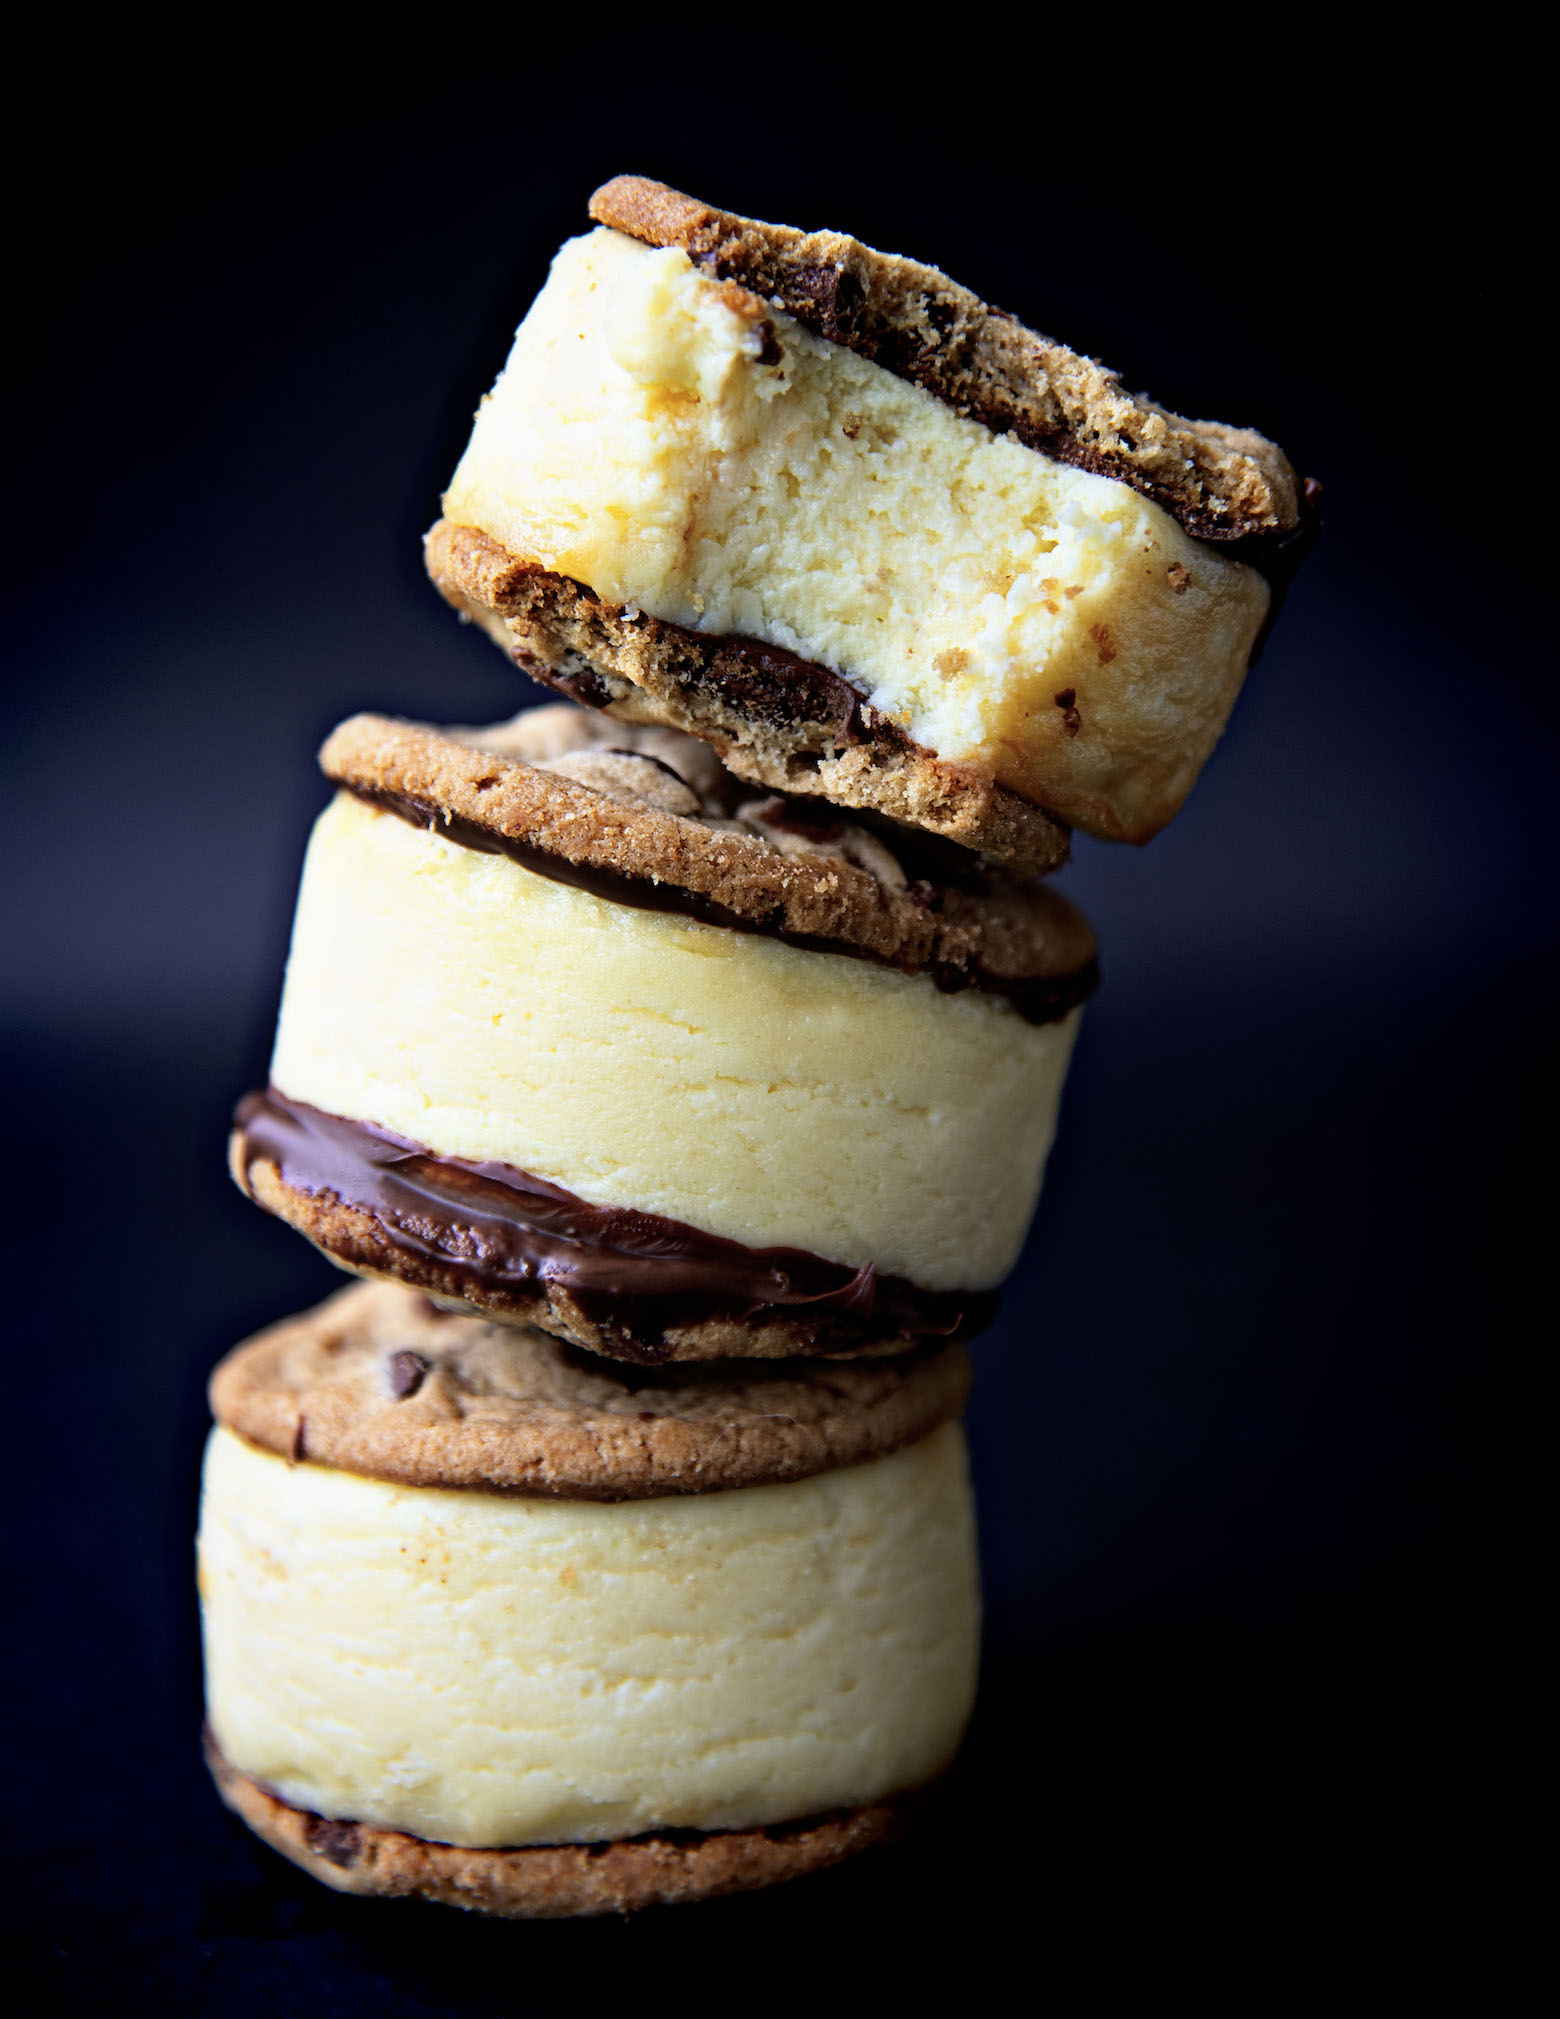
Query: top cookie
[(649, 817), (377, 1381), (1220, 483)]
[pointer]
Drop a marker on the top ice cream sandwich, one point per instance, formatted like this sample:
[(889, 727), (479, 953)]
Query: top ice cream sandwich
[(864, 533)]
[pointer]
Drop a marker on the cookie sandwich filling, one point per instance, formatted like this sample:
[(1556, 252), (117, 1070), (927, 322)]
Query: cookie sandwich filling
[(683, 1053), (527, 1666), (692, 454)]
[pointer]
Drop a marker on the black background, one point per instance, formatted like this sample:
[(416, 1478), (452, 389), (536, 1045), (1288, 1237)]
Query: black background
[(1247, 1436)]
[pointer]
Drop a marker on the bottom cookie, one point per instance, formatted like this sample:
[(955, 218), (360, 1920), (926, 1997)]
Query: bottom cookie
[(551, 1881), (385, 1246)]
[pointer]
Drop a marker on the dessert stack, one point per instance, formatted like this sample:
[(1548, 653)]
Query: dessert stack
[(677, 1064)]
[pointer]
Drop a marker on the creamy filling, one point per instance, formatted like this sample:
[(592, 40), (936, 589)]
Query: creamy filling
[(651, 438), (774, 1096), (490, 1670)]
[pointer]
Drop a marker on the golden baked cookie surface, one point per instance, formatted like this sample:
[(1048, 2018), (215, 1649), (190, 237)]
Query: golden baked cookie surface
[(377, 1381), (595, 796)]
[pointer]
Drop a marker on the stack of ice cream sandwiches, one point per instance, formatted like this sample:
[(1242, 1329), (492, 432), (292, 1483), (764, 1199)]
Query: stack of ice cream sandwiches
[(678, 1064)]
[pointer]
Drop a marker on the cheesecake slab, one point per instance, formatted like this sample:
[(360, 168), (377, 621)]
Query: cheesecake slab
[(870, 537), (472, 1601)]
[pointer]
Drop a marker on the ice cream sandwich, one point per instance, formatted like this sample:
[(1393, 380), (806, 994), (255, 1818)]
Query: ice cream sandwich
[(492, 1622), (592, 1038), (867, 535)]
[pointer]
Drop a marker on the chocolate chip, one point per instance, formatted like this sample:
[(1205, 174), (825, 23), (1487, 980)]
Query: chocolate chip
[(585, 686), (827, 298), (407, 1372), (580, 682), (337, 1842), (300, 1432)]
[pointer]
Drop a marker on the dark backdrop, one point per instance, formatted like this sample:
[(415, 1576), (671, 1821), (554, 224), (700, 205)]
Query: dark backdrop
[(1244, 1435)]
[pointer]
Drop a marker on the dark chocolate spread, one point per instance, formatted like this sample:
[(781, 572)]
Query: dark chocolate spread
[(1039, 999), (498, 1228)]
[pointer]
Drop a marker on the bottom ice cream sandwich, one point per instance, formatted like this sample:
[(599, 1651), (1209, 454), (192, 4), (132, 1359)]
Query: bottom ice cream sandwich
[(491, 1622)]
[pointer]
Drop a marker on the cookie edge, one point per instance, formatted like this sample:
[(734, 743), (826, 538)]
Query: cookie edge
[(549, 1881), (549, 619), (607, 1459), (355, 1242)]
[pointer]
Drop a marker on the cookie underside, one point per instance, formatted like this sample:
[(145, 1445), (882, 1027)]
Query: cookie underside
[(550, 1881), (777, 721), (356, 1240)]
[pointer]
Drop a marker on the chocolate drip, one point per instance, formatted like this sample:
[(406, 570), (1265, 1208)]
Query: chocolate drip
[(1279, 560), (502, 1229), (1039, 999)]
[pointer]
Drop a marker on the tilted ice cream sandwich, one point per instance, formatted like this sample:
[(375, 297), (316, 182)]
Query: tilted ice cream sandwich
[(866, 534), (493, 1623), (594, 1043)]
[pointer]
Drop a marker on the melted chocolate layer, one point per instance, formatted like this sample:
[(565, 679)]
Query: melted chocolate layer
[(504, 1229), (1038, 999)]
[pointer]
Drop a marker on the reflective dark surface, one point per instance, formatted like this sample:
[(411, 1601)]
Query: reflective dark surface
[(1252, 1487)]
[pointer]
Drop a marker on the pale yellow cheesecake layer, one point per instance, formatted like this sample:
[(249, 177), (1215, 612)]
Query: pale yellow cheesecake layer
[(486, 1670), (770, 1094), (641, 440)]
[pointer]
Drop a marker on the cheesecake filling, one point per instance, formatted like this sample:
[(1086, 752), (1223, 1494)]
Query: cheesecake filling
[(663, 438), (760, 1092), (493, 1670)]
